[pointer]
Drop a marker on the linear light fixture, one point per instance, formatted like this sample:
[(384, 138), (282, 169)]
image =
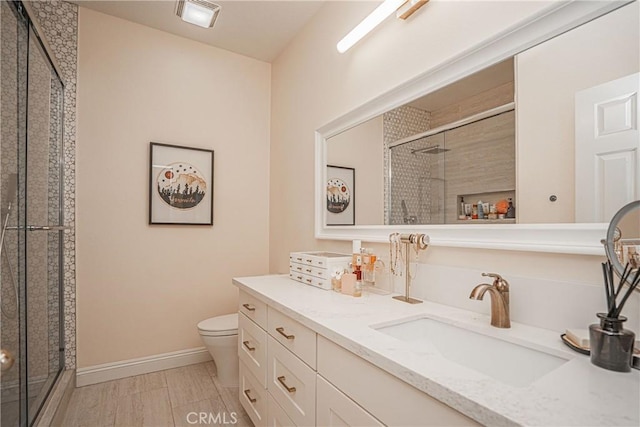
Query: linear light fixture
[(202, 13), (380, 13), (404, 8)]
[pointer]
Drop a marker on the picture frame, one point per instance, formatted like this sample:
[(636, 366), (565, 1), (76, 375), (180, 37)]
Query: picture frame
[(180, 185), (341, 205)]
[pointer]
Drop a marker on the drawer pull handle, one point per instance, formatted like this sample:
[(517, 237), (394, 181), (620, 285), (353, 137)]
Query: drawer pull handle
[(251, 399), (282, 332), (299, 268), (289, 389), (320, 262), (299, 259), (246, 344), (249, 307), (299, 277), (308, 280), (308, 270), (309, 260)]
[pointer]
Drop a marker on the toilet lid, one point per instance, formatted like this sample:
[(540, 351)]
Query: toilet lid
[(220, 325)]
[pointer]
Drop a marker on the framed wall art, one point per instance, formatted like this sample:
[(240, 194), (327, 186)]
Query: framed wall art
[(341, 206), (180, 185)]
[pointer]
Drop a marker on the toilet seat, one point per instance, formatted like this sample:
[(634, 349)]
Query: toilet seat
[(219, 326)]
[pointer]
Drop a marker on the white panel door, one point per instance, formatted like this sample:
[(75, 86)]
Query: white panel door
[(607, 148)]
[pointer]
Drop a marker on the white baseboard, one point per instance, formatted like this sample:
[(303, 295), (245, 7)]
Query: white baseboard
[(143, 365)]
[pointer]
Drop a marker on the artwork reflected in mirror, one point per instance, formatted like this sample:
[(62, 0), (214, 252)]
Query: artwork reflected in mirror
[(340, 195)]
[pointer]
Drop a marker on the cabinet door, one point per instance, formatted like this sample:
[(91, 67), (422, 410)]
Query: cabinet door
[(276, 417), (252, 348), (334, 408), (253, 397), (291, 383)]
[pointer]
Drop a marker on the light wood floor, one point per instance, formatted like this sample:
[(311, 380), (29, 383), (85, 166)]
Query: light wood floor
[(165, 398)]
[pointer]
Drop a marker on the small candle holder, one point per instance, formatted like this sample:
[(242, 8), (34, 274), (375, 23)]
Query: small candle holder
[(611, 344)]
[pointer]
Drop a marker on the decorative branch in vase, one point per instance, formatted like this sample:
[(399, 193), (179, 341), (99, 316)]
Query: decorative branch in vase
[(611, 344)]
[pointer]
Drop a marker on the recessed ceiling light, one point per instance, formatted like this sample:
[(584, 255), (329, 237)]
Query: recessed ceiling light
[(202, 13)]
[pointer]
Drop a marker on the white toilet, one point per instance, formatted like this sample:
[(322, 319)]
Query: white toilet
[(220, 336)]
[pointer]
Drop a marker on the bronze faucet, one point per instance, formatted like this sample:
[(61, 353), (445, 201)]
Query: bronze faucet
[(499, 292)]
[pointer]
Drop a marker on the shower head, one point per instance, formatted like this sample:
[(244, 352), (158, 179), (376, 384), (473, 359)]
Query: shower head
[(434, 149)]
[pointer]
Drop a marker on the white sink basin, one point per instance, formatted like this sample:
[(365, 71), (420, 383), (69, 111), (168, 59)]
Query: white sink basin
[(506, 362)]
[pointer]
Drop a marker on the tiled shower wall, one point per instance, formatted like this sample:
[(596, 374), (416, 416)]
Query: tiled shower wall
[(397, 124), (417, 178), (59, 22)]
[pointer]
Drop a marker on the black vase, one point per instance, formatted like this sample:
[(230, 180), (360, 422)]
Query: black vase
[(611, 344)]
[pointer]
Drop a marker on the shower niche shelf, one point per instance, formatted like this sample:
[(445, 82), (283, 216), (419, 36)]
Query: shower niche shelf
[(490, 197)]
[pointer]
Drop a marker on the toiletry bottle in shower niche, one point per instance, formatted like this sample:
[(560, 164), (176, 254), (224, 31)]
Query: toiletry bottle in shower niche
[(480, 210), (511, 210)]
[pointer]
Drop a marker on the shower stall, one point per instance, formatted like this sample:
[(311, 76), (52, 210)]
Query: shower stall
[(430, 174), (31, 212)]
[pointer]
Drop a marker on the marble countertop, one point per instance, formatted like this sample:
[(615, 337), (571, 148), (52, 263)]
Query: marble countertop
[(575, 394)]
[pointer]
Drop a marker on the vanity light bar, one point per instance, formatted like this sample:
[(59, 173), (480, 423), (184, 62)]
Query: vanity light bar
[(381, 13)]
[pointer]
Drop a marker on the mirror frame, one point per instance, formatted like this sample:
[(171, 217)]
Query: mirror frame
[(570, 238)]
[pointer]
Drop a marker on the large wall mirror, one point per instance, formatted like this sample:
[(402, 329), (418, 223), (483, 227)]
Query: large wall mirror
[(529, 141)]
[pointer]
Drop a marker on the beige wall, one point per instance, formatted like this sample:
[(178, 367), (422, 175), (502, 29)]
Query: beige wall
[(361, 148), (312, 73), (548, 76), (142, 289)]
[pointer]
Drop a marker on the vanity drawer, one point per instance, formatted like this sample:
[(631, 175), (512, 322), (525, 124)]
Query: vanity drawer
[(276, 417), (326, 260), (292, 384), (253, 308), (253, 396), (294, 336), (335, 408), (252, 348), (321, 273)]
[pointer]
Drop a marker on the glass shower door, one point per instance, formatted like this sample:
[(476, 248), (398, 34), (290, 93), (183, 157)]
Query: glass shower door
[(31, 121), (42, 180), (13, 87)]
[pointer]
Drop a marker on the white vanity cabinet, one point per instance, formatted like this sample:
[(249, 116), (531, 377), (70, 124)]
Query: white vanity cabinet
[(385, 397), (289, 375), (277, 366)]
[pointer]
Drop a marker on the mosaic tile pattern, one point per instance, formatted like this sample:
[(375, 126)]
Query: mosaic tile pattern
[(59, 22), (37, 182), (397, 124)]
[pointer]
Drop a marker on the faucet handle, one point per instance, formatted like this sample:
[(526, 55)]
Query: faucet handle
[(498, 281)]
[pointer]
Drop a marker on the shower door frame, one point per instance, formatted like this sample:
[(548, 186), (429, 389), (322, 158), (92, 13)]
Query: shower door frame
[(28, 413)]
